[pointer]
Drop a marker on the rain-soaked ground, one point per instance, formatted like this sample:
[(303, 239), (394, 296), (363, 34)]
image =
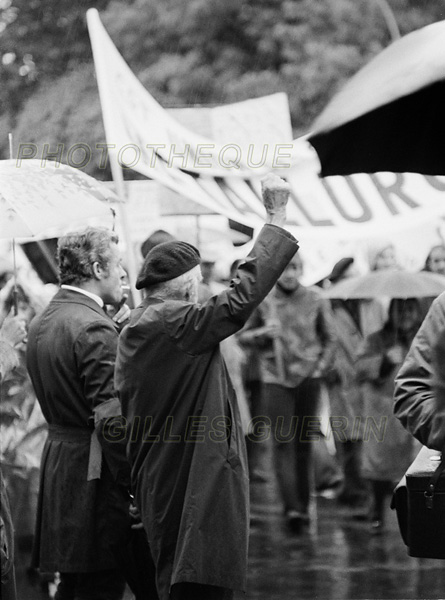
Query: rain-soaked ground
[(338, 558)]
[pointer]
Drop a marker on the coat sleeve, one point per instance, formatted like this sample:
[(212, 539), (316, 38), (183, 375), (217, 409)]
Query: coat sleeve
[(439, 371), (416, 405), (198, 329), (95, 351)]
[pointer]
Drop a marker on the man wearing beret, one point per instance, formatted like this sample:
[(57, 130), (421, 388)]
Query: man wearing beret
[(189, 467)]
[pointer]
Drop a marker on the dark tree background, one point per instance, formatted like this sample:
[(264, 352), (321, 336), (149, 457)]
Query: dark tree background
[(185, 52)]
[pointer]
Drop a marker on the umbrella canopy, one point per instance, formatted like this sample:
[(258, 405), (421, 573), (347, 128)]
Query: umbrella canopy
[(390, 116), (389, 284), (34, 198)]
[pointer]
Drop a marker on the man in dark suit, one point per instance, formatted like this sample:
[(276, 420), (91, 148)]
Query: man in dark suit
[(189, 465), (83, 521)]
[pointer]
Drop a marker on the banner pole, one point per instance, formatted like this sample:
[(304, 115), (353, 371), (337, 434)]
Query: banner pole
[(93, 22), (116, 171)]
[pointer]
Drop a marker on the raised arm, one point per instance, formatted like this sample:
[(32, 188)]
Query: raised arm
[(198, 329)]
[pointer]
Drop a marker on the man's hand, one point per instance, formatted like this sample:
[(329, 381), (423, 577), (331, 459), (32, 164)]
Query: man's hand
[(270, 331), (395, 355), (123, 314), (135, 517), (275, 196)]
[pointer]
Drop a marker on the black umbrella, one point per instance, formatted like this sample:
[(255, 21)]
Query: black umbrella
[(391, 115)]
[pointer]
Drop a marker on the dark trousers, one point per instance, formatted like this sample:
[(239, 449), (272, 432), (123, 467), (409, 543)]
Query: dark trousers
[(350, 453), (293, 414), (197, 591), (8, 589), (136, 567), (99, 585)]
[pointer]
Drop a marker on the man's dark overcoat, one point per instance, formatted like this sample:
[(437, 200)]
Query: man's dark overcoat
[(186, 445), (71, 354)]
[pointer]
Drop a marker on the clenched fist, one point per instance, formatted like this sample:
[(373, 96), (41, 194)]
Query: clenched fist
[(275, 197)]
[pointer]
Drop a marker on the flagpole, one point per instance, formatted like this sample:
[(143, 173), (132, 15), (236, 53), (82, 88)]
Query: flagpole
[(14, 289), (116, 172), (390, 19), (93, 22)]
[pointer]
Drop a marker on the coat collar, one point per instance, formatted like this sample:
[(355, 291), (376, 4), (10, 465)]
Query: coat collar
[(73, 297)]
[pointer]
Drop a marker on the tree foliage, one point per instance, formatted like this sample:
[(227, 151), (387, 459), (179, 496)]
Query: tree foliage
[(186, 52)]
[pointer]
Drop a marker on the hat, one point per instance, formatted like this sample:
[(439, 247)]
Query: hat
[(340, 268), (167, 261), (157, 237)]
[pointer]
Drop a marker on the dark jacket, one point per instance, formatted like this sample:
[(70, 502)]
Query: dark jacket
[(188, 457), (307, 341), (415, 402), (70, 357)]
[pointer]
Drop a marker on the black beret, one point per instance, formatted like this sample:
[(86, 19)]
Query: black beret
[(167, 261)]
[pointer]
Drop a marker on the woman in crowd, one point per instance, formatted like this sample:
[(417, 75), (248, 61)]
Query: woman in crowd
[(344, 391), (388, 448), (381, 255), (435, 261)]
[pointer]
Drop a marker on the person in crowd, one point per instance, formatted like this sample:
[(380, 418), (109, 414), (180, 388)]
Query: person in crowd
[(416, 405), (251, 382), (83, 522), (388, 448), (209, 285), (157, 237), (294, 333), (185, 440), (435, 261), (381, 256), (12, 336), (22, 427), (344, 390)]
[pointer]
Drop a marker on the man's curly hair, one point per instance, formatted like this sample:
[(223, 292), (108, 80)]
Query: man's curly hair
[(77, 251)]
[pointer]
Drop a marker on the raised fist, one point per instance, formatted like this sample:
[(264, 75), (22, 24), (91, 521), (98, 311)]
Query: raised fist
[(275, 194)]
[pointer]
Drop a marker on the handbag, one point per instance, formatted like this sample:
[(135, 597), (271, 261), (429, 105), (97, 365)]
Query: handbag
[(419, 501)]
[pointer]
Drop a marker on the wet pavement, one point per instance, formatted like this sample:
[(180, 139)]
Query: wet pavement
[(337, 558)]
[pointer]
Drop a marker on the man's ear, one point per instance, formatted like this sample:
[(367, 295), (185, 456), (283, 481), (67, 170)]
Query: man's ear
[(97, 270)]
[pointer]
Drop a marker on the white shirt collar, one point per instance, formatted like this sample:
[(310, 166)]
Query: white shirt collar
[(94, 297)]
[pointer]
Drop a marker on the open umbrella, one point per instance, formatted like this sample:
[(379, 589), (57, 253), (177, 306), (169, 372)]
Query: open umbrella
[(390, 284), (390, 116), (35, 198)]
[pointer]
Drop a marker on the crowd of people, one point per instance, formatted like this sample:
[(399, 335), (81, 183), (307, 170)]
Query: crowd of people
[(128, 440)]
